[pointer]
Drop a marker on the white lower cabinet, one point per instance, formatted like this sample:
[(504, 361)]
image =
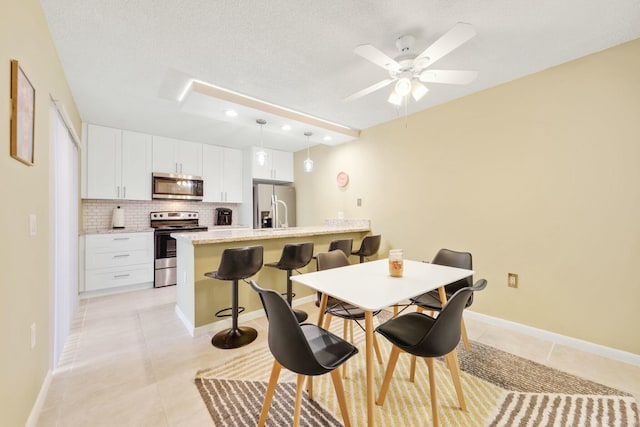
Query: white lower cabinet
[(115, 260)]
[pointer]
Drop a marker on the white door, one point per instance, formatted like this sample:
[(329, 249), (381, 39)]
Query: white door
[(65, 231)]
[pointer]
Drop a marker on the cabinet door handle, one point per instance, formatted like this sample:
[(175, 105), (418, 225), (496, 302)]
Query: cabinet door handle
[(120, 276), (122, 256), (124, 192), (117, 192), (120, 238)]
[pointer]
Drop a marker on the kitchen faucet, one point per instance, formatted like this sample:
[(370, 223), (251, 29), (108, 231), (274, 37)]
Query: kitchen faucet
[(275, 214)]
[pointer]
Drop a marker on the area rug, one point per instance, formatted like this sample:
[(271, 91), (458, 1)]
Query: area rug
[(500, 390)]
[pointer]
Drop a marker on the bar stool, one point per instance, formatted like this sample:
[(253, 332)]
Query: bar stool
[(294, 256), (368, 247), (236, 264), (345, 245)]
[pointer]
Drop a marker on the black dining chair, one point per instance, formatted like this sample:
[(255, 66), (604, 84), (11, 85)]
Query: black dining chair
[(430, 301), (339, 308), (424, 336), (304, 348)]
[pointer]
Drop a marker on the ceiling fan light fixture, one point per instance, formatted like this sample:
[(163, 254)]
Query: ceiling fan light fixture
[(418, 90), (403, 86), (395, 99)]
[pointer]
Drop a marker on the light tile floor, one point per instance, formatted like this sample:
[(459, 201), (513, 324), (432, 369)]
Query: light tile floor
[(129, 361)]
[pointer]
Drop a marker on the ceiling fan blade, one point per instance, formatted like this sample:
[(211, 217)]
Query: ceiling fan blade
[(455, 37), (452, 77), (375, 55), (368, 90)]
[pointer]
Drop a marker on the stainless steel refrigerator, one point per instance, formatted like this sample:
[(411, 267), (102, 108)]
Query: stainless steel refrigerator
[(274, 205)]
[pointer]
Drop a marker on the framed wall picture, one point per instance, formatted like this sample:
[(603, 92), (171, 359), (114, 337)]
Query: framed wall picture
[(23, 115)]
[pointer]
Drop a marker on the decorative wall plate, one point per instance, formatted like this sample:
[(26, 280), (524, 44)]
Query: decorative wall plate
[(342, 179)]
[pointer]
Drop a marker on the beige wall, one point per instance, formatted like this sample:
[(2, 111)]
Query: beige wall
[(25, 264), (538, 177)]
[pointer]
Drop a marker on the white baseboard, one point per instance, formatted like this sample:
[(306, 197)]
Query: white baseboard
[(226, 323), (586, 346), (32, 421), (113, 291)]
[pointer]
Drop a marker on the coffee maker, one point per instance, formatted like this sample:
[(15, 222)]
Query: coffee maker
[(223, 216)]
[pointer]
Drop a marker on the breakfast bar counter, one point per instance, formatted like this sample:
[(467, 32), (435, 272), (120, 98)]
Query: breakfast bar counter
[(198, 297)]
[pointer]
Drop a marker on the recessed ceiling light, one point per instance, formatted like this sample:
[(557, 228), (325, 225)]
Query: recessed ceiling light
[(327, 138), (286, 127), (231, 113)]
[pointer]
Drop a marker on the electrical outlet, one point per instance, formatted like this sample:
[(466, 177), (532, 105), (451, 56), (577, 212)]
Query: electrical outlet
[(33, 335), (358, 202), (512, 280)]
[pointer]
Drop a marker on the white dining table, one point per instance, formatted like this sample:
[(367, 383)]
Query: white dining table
[(369, 286)]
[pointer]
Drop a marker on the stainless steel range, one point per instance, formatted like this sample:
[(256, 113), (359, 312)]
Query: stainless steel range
[(164, 224)]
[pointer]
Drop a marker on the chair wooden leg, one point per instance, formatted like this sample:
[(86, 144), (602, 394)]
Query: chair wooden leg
[(351, 332), (393, 359), (327, 321), (412, 370), (337, 384), (432, 390), (271, 388), (345, 337), (296, 410), (465, 338), (377, 349), (310, 387), (454, 368)]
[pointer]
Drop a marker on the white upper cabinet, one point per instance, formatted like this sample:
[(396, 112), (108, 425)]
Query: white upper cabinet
[(222, 174), (278, 166), (176, 156), (118, 164)]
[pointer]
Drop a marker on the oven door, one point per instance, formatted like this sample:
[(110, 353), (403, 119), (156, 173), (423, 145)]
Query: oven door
[(165, 259)]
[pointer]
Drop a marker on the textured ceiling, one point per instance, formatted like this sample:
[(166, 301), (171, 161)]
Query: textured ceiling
[(119, 55)]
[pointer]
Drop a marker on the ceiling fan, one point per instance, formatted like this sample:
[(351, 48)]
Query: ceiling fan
[(408, 70)]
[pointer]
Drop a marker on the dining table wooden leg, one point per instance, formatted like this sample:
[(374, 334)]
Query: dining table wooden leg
[(368, 321)]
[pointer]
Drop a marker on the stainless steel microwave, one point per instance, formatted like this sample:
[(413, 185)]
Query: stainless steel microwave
[(180, 187)]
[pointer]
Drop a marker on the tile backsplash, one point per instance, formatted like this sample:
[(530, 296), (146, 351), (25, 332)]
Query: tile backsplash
[(98, 214)]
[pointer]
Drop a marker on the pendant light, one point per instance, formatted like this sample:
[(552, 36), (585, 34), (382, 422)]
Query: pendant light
[(308, 163), (261, 155)]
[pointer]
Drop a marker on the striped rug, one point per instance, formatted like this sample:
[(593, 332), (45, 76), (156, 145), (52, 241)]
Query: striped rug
[(500, 390)]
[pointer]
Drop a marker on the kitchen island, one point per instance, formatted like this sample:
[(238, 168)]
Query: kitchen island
[(198, 297)]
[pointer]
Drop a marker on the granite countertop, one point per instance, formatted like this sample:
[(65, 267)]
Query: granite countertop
[(241, 234), (115, 230)]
